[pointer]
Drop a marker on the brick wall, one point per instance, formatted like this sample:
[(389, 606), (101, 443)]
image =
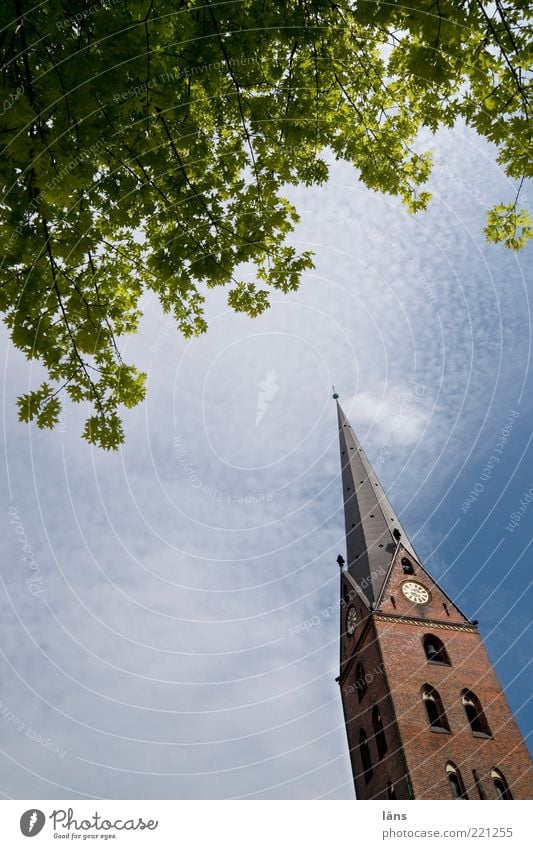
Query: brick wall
[(389, 643)]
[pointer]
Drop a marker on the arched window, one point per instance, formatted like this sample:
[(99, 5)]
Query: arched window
[(502, 788), (435, 651), (475, 715), (379, 732), (364, 751), (455, 781), (407, 566), (434, 709), (360, 681), (391, 792)]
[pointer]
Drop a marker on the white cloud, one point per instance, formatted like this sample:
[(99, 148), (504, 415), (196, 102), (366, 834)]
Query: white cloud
[(176, 569)]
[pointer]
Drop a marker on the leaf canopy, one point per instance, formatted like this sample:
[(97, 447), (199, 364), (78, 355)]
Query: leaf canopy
[(146, 146)]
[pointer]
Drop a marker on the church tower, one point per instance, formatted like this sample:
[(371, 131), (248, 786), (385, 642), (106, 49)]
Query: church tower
[(425, 715)]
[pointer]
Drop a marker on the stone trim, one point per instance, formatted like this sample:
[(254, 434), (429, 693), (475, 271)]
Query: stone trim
[(427, 623)]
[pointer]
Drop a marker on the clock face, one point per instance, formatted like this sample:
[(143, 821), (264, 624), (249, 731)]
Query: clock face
[(351, 620), (415, 592)]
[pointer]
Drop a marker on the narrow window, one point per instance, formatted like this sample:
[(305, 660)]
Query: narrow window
[(456, 782), (434, 709), (365, 755), (407, 566), (479, 786), (475, 715), (435, 651), (360, 681), (379, 732), (500, 784)]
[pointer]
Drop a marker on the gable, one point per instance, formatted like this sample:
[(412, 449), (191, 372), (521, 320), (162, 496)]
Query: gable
[(352, 598), (393, 598)]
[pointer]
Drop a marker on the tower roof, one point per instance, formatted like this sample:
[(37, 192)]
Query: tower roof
[(372, 526)]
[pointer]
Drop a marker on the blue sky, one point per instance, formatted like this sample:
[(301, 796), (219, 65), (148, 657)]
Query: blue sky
[(167, 655)]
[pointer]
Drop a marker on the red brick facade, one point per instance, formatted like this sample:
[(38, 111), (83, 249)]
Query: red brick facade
[(403, 745)]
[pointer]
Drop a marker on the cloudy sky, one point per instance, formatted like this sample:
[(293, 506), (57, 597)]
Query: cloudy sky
[(166, 653)]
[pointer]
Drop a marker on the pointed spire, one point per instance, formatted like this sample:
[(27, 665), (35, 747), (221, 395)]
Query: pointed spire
[(373, 529)]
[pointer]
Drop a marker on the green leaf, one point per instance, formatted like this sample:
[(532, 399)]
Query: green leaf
[(147, 151), (505, 224)]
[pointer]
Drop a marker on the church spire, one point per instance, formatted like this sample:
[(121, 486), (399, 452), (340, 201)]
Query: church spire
[(373, 529), (411, 664)]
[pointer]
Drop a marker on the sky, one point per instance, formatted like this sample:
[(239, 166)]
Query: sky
[(180, 636)]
